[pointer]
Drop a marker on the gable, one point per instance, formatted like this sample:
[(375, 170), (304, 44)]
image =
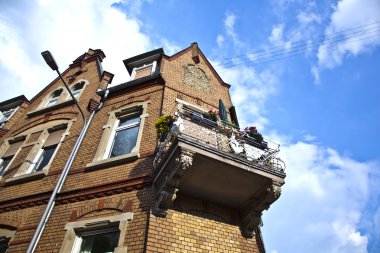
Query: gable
[(191, 74)]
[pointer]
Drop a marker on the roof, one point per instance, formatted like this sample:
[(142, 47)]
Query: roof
[(140, 59), (133, 83), (12, 103)]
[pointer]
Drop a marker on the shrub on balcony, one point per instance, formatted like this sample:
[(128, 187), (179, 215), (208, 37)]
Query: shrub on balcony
[(252, 132), (211, 115), (163, 125)]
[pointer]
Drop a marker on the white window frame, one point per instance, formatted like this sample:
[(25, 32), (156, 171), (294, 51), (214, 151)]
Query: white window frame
[(11, 111), (53, 99), (78, 239), (39, 153), (5, 169), (146, 65), (4, 148), (117, 128), (106, 140), (77, 93), (72, 242), (35, 160)]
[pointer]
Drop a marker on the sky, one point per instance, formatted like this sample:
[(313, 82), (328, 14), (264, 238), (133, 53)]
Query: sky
[(304, 72)]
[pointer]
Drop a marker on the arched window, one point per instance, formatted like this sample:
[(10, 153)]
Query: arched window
[(54, 98), (76, 89)]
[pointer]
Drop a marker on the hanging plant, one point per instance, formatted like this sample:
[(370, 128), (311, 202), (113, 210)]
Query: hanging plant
[(163, 125)]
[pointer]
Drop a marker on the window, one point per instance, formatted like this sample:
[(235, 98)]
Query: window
[(4, 164), (4, 245), (8, 155), (99, 235), (45, 155), (44, 158), (124, 135), (101, 240), (121, 135), (76, 89), (6, 234), (6, 115), (54, 98), (144, 70)]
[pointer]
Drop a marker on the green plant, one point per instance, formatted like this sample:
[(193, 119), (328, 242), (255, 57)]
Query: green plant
[(252, 131), (211, 115), (163, 124)]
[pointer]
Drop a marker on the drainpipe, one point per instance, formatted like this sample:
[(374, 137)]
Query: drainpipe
[(49, 208)]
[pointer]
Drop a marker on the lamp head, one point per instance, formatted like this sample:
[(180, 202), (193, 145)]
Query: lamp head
[(49, 59)]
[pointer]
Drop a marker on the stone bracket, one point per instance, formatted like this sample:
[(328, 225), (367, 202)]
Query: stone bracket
[(251, 214), (167, 185)]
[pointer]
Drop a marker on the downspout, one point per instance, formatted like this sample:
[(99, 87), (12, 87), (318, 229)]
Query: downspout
[(49, 208)]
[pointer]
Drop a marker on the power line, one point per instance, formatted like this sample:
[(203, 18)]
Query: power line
[(292, 55), (292, 50), (321, 37), (306, 45)]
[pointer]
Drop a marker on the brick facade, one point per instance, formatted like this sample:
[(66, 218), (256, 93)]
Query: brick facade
[(112, 189)]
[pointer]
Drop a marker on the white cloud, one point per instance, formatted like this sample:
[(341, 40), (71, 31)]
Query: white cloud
[(322, 202), (229, 25), (170, 47), (348, 14), (315, 72), (220, 40), (276, 37), (250, 91), (306, 18), (308, 137), (67, 29)]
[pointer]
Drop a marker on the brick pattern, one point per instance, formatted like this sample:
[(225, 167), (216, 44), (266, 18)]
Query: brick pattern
[(189, 226)]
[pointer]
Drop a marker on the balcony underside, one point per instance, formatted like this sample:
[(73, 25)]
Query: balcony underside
[(204, 172)]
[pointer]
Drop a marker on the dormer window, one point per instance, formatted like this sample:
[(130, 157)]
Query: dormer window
[(144, 70), (54, 98)]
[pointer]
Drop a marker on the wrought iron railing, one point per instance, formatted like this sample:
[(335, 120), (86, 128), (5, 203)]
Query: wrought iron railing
[(192, 125)]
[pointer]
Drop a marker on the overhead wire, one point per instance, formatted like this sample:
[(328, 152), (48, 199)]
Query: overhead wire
[(291, 50), (292, 55), (270, 55), (323, 37)]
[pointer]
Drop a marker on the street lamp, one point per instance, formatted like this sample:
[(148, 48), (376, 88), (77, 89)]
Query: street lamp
[(58, 187), (49, 59)]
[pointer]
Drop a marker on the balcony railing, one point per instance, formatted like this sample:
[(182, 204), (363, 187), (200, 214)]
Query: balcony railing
[(191, 125)]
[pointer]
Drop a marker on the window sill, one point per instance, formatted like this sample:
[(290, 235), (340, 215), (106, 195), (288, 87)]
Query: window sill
[(50, 108), (112, 161), (26, 178)]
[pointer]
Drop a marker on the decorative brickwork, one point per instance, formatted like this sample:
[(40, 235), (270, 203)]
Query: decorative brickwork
[(149, 206)]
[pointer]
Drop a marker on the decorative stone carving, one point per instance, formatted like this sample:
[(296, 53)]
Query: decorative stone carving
[(196, 77), (168, 182), (235, 145), (178, 126), (251, 215)]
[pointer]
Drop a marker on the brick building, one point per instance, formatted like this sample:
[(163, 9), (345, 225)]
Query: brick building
[(199, 187)]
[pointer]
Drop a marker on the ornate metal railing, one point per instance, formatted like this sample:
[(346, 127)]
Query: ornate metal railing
[(190, 124)]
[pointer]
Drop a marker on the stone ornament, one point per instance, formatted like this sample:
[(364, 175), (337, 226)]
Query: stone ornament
[(167, 186), (251, 216), (196, 77)]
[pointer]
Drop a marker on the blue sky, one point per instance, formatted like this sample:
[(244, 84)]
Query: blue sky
[(322, 104)]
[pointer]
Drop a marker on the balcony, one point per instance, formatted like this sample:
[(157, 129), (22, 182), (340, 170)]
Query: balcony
[(211, 161)]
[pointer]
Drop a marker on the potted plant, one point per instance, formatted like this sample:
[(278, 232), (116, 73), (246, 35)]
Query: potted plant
[(254, 137), (208, 118), (163, 125), (211, 115)]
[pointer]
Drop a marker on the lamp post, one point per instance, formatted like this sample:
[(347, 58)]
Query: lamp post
[(50, 205), (49, 59)]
